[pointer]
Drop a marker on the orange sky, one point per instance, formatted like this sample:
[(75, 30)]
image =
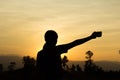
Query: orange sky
[(24, 22)]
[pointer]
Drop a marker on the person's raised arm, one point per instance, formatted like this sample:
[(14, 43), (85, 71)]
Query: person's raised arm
[(83, 40)]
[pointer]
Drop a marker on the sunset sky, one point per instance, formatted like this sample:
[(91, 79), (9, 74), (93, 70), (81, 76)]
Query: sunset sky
[(24, 22)]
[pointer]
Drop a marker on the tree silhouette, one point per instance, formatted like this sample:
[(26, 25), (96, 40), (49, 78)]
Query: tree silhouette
[(89, 55), (29, 65), (1, 68), (73, 68), (78, 68), (28, 62), (11, 67), (89, 65), (64, 61)]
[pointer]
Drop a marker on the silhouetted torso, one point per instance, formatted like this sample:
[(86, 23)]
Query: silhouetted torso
[(49, 61)]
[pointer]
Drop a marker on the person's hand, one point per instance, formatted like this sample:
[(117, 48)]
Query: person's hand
[(93, 35), (96, 34)]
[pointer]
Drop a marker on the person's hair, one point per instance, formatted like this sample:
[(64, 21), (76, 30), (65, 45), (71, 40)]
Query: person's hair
[(50, 35)]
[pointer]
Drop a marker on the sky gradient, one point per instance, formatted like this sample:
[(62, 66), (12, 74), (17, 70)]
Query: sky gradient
[(24, 22)]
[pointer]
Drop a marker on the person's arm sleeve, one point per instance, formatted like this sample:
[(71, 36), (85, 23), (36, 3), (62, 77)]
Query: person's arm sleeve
[(76, 43)]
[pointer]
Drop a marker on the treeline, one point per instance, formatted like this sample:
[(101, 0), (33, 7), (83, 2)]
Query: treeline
[(91, 71)]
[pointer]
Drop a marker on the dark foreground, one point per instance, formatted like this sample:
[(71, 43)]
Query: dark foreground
[(20, 74)]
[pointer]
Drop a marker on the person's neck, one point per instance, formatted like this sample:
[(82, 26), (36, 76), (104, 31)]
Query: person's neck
[(49, 45)]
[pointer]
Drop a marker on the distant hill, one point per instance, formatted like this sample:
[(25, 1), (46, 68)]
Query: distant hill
[(5, 60), (106, 65)]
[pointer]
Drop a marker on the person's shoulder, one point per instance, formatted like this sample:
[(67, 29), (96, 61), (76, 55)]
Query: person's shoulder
[(61, 46), (41, 51)]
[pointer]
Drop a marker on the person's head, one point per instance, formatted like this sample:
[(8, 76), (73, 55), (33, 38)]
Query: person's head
[(51, 37)]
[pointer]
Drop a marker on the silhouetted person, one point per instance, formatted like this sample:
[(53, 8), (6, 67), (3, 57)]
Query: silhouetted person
[(49, 58)]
